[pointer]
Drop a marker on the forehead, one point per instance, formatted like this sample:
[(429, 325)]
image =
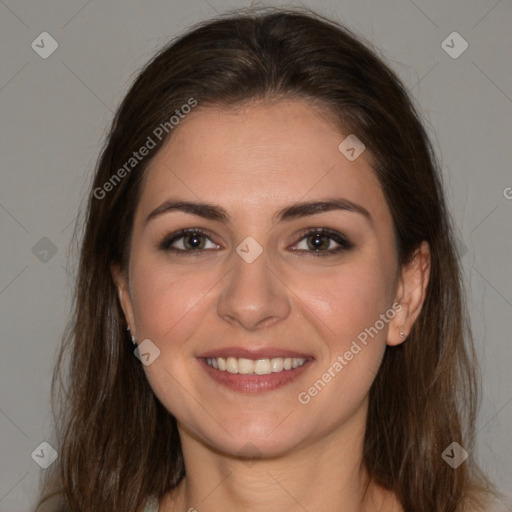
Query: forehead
[(264, 156)]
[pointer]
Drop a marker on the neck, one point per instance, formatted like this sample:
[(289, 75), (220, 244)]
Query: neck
[(327, 475)]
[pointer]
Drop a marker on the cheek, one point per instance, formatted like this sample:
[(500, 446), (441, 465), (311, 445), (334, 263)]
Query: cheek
[(166, 302), (170, 308), (348, 307), (351, 308), (347, 300)]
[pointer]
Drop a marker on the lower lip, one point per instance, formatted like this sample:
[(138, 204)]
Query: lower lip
[(254, 383)]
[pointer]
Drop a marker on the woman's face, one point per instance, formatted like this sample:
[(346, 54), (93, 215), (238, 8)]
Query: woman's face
[(251, 284)]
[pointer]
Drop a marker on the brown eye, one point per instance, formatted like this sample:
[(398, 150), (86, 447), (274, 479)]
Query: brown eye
[(187, 241), (319, 242), (193, 241)]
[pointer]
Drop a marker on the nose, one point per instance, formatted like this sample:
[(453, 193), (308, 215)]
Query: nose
[(255, 295)]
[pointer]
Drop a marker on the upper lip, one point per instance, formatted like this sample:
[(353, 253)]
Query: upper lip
[(254, 353)]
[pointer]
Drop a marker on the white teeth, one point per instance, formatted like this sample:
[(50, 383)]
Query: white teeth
[(232, 365), (262, 367), (255, 367), (245, 366), (277, 364)]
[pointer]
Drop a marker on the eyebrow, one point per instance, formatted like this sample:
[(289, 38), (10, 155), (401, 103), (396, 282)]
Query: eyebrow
[(298, 210)]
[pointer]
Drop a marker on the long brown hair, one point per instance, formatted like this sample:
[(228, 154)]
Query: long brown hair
[(118, 445)]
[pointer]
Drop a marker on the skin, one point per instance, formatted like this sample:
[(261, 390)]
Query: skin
[(253, 161)]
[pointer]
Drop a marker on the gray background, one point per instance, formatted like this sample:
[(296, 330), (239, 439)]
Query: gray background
[(55, 113)]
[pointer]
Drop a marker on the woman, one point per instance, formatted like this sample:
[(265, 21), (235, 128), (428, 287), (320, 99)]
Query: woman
[(267, 223)]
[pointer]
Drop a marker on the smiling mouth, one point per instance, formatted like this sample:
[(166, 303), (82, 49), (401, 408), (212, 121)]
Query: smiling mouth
[(243, 366)]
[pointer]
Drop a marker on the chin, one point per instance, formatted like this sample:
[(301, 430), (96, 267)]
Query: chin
[(267, 436)]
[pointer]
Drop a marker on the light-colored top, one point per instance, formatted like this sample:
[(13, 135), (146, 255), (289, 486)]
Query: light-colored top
[(152, 506)]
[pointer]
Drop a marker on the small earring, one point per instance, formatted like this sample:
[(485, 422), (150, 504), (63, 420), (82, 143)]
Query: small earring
[(402, 332), (134, 341)]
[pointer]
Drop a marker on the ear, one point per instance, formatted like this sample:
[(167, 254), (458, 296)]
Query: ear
[(120, 278), (411, 292)]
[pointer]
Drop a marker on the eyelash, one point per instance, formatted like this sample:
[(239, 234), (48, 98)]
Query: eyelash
[(345, 245)]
